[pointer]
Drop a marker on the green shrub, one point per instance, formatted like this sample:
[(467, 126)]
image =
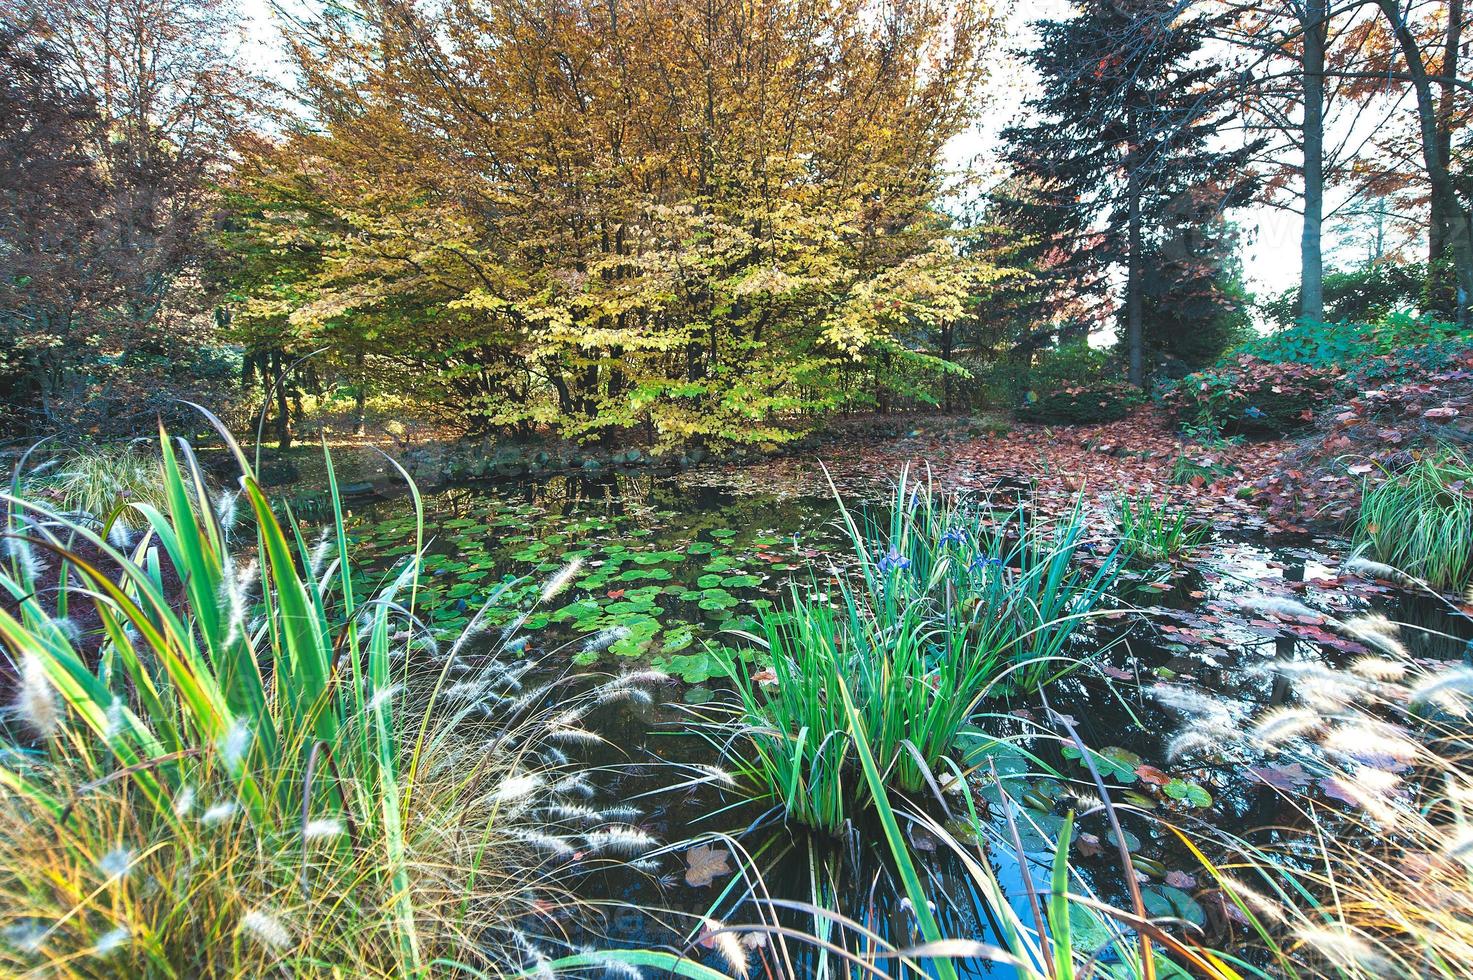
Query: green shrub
[(1097, 401), (1359, 296), (1325, 345), (946, 612), (105, 482), (1253, 396), (1420, 521), (1068, 365)]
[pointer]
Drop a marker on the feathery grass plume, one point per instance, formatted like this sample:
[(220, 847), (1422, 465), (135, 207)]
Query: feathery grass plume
[(20, 551), (235, 598), (715, 935), (517, 786), (235, 743), (1375, 630), (1190, 743), (220, 813), (1371, 743), (543, 841), (1378, 669), (1282, 724), (322, 829), (266, 928), (561, 580), (1447, 689), (1366, 568), (1346, 950), (605, 638), (36, 702), (1258, 902), (1280, 606), (620, 840), (184, 801), (115, 863)]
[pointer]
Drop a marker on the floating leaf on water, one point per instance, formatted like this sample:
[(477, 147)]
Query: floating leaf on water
[(704, 864), (1164, 901), (1187, 792)]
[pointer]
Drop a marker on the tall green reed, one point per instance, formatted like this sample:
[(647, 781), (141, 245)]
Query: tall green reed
[(1152, 531), (949, 605)]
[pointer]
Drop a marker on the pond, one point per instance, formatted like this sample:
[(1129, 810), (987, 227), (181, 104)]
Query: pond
[(674, 570)]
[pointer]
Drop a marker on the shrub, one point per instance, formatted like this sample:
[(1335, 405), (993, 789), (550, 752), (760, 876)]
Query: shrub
[(1421, 520), (946, 612), (257, 782), (1098, 401), (1359, 296), (105, 482), (1325, 345), (1253, 396)]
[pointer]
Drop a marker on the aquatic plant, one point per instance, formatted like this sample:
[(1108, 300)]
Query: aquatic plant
[(1066, 931), (250, 769), (1420, 520), (951, 604), (1152, 531)]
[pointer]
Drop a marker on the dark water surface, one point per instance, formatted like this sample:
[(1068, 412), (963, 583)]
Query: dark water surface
[(676, 569)]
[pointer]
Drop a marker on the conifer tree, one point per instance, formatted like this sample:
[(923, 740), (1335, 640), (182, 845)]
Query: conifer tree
[(1122, 141)]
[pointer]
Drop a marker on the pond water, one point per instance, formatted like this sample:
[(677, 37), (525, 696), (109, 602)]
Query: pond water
[(675, 568)]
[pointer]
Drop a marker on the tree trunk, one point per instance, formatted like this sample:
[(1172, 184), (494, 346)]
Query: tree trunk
[(1134, 312), (1442, 213), (1311, 258), (283, 405), (360, 401), (1459, 231)]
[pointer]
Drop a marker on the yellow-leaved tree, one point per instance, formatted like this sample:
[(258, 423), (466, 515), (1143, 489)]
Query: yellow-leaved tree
[(694, 220)]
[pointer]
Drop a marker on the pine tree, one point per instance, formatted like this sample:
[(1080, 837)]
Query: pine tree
[(1122, 141)]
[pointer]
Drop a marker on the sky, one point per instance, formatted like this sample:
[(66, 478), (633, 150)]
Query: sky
[(1270, 239)]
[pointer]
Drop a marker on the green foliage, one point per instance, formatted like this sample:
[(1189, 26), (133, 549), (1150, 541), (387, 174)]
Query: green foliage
[(1096, 401), (1326, 345), (1068, 366), (248, 758), (1357, 296), (104, 482), (1420, 520), (948, 611), (1152, 531), (1253, 396)]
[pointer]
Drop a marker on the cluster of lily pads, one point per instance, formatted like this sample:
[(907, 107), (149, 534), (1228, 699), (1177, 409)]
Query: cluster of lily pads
[(646, 586)]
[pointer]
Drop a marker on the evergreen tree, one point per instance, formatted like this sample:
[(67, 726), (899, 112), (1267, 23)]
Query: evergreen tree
[(1123, 142)]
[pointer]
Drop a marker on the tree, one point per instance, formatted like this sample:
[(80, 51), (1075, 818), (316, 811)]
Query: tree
[(53, 247), (1450, 218), (1124, 136), (685, 220), (152, 109)]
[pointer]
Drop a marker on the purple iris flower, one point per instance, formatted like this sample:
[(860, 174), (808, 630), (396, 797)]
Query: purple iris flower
[(893, 562)]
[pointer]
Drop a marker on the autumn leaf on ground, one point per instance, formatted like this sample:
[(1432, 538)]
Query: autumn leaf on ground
[(704, 864)]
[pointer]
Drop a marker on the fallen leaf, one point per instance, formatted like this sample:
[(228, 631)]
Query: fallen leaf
[(704, 864)]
